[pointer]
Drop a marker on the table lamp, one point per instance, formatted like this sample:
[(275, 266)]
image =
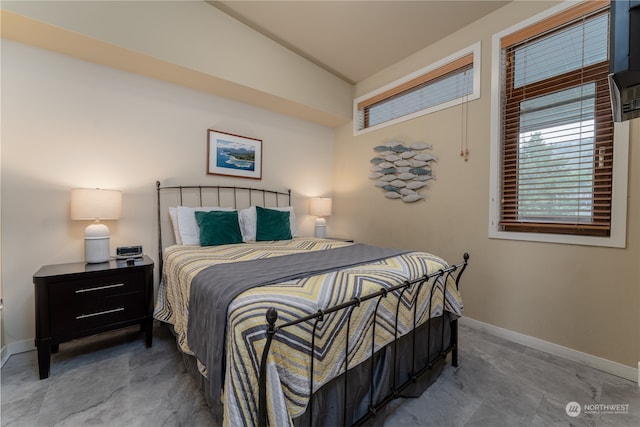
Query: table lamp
[(95, 204), (320, 207)]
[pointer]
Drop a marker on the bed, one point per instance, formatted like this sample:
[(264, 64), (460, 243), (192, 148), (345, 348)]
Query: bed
[(281, 329)]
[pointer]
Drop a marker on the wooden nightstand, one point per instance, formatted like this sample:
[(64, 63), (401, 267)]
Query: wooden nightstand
[(78, 299)]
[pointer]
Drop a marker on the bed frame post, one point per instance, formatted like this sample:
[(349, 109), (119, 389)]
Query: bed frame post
[(272, 317), (454, 323), (464, 267), (159, 219), (454, 343)]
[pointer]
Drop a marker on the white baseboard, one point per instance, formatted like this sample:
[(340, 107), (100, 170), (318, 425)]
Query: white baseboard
[(614, 368), (15, 348)]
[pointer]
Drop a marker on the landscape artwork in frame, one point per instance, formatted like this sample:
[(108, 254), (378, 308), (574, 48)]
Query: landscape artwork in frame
[(233, 155)]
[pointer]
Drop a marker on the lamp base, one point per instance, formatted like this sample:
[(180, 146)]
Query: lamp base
[(321, 228), (96, 243)]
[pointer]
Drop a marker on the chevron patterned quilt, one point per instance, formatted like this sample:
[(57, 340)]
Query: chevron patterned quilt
[(289, 362)]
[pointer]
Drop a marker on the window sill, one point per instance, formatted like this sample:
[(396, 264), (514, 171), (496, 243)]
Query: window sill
[(616, 240)]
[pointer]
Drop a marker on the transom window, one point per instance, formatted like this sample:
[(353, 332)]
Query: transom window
[(448, 82)]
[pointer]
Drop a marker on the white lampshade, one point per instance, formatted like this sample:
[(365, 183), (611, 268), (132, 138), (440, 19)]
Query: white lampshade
[(320, 207), (96, 204)]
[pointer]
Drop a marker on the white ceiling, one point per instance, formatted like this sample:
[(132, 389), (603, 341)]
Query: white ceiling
[(356, 39)]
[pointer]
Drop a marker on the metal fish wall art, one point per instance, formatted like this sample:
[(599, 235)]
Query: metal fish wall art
[(401, 171)]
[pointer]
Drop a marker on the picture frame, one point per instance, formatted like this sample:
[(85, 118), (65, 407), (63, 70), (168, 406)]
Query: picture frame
[(233, 155)]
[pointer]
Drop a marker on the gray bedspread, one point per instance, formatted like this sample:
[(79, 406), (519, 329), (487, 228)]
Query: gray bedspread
[(215, 287)]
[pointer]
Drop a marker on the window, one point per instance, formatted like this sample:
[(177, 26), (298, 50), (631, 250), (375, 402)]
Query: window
[(556, 136), (444, 84)]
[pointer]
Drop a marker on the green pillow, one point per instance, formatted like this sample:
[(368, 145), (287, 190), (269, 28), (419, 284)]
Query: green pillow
[(218, 228), (272, 224)]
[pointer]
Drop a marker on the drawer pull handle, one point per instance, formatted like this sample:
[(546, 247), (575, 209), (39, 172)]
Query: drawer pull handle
[(98, 288), (84, 316)]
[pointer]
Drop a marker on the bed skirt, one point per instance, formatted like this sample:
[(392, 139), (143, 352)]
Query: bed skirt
[(328, 402)]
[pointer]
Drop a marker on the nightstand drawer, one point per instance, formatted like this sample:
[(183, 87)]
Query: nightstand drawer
[(95, 288), (71, 319)]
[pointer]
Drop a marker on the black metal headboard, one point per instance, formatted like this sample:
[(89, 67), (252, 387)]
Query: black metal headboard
[(212, 195)]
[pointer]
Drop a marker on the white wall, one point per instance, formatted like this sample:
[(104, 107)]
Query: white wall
[(186, 42), (68, 123)]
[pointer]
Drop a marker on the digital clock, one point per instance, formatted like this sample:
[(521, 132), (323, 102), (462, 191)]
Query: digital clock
[(125, 252)]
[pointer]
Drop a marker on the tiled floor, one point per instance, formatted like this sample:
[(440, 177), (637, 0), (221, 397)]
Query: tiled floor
[(500, 383), (113, 380)]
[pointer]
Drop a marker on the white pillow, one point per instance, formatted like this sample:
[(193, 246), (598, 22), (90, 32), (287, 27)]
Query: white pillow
[(249, 220), (173, 214), (188, 226)]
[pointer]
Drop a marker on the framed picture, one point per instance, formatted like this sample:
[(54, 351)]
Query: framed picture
[(233, 155)]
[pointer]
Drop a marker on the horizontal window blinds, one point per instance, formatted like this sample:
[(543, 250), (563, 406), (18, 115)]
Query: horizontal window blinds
[(452, 81), (557, 129)]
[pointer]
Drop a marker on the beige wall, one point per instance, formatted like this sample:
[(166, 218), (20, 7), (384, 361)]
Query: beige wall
[(69, 123), (580, 297)]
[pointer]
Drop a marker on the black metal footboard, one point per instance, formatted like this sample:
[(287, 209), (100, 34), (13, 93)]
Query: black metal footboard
[(417, 367)]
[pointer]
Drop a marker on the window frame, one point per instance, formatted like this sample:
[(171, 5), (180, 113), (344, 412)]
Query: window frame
[(617, 237), (393, 87)]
